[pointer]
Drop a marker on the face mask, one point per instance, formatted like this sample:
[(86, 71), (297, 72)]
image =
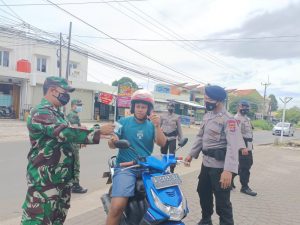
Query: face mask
[(171, 110), (244, 111), (210, 106), (63, 98), (78, 108)]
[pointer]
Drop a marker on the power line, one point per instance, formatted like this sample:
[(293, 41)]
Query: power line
[(127, 46), (207, 56), (195, 40), (71, 3)]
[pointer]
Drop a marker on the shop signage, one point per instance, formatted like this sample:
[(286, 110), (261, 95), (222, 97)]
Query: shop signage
[(105, 98)]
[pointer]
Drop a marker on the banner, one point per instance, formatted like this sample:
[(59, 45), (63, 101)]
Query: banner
[(105, 98), (124, 101)]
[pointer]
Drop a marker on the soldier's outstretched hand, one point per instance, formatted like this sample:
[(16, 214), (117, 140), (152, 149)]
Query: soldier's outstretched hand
[(107, 128)]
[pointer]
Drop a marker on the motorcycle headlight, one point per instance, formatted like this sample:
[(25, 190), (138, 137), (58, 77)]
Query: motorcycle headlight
[(175, 213)]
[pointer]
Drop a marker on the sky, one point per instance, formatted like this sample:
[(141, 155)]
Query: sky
[(233, 43)]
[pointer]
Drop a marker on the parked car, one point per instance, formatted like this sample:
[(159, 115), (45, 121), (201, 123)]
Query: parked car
[(287, 128)]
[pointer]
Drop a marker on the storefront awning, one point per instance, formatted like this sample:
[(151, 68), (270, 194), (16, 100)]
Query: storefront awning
[(191, 104)]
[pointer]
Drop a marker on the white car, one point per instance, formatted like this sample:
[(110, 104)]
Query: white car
[(287, 128)]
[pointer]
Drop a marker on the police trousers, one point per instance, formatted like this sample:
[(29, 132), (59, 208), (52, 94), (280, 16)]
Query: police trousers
[(46, 205), (209, 187), (245, 163)]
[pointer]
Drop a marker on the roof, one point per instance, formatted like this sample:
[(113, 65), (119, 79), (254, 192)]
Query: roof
[(191, 104), (244, 92)]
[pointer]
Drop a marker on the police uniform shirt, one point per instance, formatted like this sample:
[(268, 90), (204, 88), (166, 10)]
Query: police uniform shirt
[(246, 128), (170, 123), (219, 130)]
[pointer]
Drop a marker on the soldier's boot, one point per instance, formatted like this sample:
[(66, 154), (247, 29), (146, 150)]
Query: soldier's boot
[(205, 221), (248, 191), (78, 189)]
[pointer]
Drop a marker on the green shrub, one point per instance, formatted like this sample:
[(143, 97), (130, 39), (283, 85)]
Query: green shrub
[(262, 124)]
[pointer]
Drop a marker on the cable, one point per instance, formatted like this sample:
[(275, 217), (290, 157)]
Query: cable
[(206, 55), (127, 46), (194, 40), (71, 3)]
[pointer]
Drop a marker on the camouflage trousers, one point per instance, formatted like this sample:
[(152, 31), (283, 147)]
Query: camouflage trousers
[(46, 205), (76, 164)]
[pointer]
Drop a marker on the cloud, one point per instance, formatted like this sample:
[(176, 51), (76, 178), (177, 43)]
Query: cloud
[(282, 22)]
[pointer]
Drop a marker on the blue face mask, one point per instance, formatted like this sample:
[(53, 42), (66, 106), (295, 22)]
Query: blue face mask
[(78, 108)]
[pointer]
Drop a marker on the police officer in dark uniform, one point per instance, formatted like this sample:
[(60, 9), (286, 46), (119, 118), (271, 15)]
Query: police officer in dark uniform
[(245, 155), (219, 139)]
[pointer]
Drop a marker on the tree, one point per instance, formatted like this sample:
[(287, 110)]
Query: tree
[(273, 103), (292, 115), (125, 80)]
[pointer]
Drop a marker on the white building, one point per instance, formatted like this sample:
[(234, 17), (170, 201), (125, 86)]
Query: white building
[(24, 65)]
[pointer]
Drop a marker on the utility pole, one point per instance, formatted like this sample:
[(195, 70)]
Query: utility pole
[(285, 100), (68, 56), (60, 54), (265, 93)]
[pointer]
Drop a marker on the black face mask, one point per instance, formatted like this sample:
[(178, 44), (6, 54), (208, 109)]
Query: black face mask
[(63, 98), (210, 106), (171, 110), (244, 111)]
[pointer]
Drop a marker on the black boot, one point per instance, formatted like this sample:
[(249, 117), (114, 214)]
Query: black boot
[(206, 221), (248, 191), (78, 189)]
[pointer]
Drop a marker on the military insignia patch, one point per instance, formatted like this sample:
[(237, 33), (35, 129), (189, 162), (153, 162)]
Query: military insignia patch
[(231, 125)]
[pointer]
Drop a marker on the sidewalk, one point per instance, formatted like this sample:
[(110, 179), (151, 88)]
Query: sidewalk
[(275, 176)]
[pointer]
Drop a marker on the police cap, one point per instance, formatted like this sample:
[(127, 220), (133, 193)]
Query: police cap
[(215, 92), (244, 103)]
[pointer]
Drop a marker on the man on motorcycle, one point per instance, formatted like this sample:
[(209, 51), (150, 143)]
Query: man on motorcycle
[(141, 130)]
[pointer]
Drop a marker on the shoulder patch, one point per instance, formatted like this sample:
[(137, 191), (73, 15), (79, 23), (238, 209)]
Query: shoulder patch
[(231, 125)]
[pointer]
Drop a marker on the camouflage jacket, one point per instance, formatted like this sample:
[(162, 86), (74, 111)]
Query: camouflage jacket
[(51, 157), (74, 118)]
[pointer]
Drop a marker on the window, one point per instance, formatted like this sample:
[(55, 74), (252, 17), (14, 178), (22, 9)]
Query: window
[(4, 58), (41, 64), (73, 65)]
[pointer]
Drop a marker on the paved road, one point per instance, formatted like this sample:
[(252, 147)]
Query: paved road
[(93, 160)]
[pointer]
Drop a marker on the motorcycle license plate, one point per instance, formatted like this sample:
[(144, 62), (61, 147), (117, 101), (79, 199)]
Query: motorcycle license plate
[(167, 180)]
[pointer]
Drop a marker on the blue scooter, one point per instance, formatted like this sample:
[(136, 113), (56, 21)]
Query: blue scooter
[(158, 198)]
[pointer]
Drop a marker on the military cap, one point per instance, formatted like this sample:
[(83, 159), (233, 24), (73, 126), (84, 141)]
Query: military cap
[(244, 103), (215, 92), (58, 82), (76, 102)]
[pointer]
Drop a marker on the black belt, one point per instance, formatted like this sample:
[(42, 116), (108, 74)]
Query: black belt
[(217, 153), (171, 134), (248, 139)]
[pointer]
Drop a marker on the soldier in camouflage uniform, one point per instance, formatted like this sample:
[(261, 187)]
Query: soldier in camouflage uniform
[(73, 117), (51, 158)]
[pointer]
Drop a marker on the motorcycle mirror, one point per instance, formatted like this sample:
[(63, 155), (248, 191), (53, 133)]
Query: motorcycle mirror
[(183, 142), (122, 144)]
